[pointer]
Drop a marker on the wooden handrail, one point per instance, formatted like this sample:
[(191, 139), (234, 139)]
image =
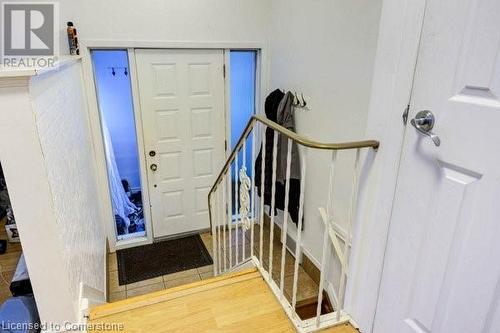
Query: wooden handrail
[(302, 140)]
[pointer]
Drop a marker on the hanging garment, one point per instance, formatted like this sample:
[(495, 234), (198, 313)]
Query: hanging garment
[(278, 108), (120, 202), (285, 118), (271, 108)]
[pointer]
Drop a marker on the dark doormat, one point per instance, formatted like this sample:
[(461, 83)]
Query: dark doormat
[(165, 257)]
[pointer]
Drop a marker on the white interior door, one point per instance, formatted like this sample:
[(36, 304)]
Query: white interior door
[(442, 264), (182, 106)]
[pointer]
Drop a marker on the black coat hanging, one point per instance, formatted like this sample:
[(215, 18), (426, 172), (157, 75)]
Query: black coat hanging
[(272, 103)]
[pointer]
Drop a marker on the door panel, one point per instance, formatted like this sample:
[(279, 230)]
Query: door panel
[(441, 271), (182, 99)]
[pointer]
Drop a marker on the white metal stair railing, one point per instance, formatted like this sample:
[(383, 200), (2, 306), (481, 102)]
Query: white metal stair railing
[(235, 210)]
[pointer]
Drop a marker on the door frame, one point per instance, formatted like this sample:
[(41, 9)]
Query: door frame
[(86, 46), (398, 44)]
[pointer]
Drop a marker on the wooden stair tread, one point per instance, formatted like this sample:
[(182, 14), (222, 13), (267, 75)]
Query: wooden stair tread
[(343, 328), (307, 308), (172, 293), (237, 302)]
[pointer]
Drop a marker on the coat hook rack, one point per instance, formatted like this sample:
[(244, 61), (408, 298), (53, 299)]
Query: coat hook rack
[(115, 70), (299, 101)]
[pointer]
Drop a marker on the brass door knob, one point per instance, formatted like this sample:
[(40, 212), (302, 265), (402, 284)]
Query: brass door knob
[(153, 167)]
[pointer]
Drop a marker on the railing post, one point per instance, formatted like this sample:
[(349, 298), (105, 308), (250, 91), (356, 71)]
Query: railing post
[(237, 207), (298, 247), (273, 203), (219, 218), (224, 222), (329, 213), (243, 227), (352, 208), (252, 195), (286, 213), (262, 193), (229, 209), (211, 213)]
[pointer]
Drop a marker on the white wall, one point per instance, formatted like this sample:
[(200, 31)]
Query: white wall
[(60, 111), (326, 50), (164, 20), (168, 20), (46, 154), (32, 202), (47, 157)]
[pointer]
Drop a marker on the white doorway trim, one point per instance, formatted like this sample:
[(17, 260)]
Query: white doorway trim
[(134, 85), (227, 101), (98, 145), (397, 48)]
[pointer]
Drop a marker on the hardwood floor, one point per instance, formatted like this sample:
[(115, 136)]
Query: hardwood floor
[(306, 288), (240, 302)]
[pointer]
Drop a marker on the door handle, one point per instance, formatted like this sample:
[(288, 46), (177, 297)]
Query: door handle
[(153, 167), (424, 123)]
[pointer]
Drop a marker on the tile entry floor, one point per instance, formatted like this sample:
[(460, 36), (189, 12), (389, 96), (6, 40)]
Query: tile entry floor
[(306, 289)]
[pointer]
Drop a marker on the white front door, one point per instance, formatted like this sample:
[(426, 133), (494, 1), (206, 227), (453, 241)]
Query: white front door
[(182, 106), (442, 264)]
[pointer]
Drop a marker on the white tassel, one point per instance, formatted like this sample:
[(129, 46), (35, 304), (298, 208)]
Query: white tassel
[(245, 183)]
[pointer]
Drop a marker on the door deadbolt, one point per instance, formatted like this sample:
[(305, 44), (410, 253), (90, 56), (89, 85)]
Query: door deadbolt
[(152, 153)]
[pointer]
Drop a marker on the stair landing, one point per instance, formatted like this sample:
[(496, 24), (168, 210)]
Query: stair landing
[(238, 302)]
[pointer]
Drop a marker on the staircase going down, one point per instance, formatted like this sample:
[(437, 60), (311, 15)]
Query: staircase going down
[(257, 275)]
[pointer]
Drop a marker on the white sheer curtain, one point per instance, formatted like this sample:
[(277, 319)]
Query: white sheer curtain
[(122, 206)]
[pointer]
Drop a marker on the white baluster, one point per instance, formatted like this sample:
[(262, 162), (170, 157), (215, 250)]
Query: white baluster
[(236, 203), (243, 227), (219, 219), (286, 213), (350, 218), (262, 193), (214, 245), (224, 222), (252, 195), (229, 181), (273, 200), (329, 214), (298, 246)]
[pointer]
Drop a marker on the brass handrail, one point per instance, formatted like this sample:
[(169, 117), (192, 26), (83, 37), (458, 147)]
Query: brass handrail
[(302, 140)]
